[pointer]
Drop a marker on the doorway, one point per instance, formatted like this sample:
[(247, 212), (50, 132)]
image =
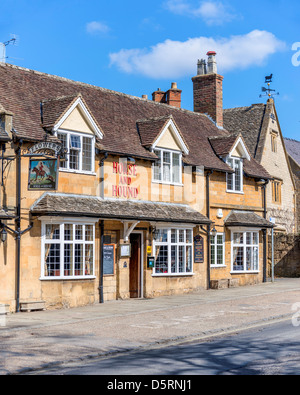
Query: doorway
[(136, 266)]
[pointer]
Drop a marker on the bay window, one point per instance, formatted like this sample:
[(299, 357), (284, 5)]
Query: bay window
[(173, 250), (167, 168), (245, 251), (68, 250), (80, 151)]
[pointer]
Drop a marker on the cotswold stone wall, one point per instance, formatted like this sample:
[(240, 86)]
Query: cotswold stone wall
[(286, 255)]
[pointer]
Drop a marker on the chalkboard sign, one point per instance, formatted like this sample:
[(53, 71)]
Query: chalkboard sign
[(108, 259), (198, 249)]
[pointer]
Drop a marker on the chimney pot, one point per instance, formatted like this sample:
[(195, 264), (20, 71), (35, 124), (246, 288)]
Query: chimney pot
[(145, 97), (174, 85)]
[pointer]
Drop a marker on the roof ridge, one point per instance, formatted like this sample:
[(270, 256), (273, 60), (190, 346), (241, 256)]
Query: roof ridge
[(290, 139), (85, 84), (244, 107)]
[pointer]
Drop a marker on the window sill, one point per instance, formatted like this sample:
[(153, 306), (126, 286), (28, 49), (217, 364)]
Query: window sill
[(173, 275), (70, 278), (87, 173), (245, 272), (177, 184), (237, 192), (216, 266)]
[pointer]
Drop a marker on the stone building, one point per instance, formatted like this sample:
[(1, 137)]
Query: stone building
[(106, 196), (293, 150), (260, 127)]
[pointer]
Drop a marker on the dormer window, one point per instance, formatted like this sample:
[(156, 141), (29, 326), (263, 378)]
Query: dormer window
[(80, 151), (235, 180), (168, 167)]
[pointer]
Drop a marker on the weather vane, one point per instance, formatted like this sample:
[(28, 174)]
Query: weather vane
[(268, 91)]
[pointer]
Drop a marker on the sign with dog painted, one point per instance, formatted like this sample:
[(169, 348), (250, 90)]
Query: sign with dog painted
[(43, 174)]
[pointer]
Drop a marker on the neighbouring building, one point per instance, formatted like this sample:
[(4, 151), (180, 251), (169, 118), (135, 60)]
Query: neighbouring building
[(107, 196), (259, 125), (293, 150)]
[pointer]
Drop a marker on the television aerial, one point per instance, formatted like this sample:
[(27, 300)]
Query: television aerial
[(12, 41)]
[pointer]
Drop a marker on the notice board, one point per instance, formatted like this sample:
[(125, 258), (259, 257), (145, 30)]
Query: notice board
[(108, 259), (198, 249)]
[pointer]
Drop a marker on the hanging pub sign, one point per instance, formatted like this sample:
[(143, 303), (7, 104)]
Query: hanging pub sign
[(43, 172)]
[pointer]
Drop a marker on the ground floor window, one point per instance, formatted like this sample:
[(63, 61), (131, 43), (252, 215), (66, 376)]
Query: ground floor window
[(68, 250), (217, 250), (173, 251), (245, 251)]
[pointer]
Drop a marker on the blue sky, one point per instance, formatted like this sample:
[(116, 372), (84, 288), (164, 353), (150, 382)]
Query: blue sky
[(136, 47)]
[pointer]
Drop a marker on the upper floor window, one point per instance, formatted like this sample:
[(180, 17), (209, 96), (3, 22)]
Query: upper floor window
[(80, 151), (274, 141), (167, 168), (276, 191), (235, 180)]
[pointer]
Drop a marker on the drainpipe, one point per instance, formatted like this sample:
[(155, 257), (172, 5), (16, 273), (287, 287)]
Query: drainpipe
[(208, 174), (101, 298), (18, 225), (265, 234), (101, 275)]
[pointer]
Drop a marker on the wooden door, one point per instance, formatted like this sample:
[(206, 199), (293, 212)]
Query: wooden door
[(135, 266)]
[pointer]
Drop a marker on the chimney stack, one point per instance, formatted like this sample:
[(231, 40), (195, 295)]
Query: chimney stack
[(208, 89), (172, 97)]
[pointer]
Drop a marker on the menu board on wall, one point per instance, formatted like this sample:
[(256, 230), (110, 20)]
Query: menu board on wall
[(108, 259), (198, 249)]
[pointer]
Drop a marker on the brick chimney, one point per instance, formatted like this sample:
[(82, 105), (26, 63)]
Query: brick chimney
[(208, 89), (172, 97)]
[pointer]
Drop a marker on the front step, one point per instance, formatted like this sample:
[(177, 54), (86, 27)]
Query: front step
[(29, 305)]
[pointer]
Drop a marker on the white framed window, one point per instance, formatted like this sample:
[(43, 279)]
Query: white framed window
[(168, 168), (245, 251), (80, 151), (217, 246), (173, 249), (235, 180), (68, 250)]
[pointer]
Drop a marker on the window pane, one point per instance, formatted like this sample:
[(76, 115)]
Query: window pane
[(52, 232), (157, 167), (167, 166), (174, 236), (63, 138), (238, 258), (89, 233), (176, 168), (238, 238), (89, 269), (75, 142), (255, 258), (74, 159), (181, 259), (220, 255), (52, 260), (174, 259), (248, 238), (78, 260), (255, 238), (249, 258), (161, 259), (188, 255), (181, 236), (161, 236), (237, 168), (189, 236), (78, 232), (87, 154), (68, 260), (68, 232)]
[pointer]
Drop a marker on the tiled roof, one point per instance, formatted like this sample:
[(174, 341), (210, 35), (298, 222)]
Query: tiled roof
[(293, 149), (78, 205), (247, 121), (22, 91), (248, 219)]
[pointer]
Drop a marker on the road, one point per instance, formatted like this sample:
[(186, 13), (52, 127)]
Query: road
[(268, 350)]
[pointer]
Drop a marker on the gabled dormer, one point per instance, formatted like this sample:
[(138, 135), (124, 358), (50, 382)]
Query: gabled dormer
[(163, 137), (70, 119)]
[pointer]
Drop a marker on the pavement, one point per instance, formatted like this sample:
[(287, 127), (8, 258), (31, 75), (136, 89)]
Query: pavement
[(35, 341)]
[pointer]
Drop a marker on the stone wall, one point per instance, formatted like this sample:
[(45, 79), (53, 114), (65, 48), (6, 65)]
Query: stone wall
[(286, 255)]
